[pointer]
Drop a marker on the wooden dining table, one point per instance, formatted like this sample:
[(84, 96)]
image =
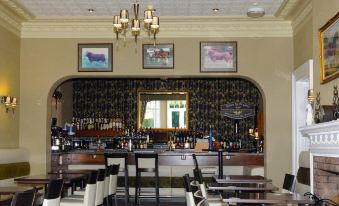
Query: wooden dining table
[(241, 179), (254, 187), (8, 190), (266, 198), (70, 180)]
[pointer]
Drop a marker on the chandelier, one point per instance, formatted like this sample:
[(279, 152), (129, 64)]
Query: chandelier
[(151, 23)]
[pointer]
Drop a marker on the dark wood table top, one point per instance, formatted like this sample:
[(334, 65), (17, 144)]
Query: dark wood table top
[(13, 189), (241, 179), (45, 178), (70, 171), (266, 198), (260, 187)]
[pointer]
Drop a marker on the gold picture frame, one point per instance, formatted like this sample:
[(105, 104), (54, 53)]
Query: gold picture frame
[(329, 50)]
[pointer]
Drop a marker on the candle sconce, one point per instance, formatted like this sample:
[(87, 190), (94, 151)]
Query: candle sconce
[(9, 103)]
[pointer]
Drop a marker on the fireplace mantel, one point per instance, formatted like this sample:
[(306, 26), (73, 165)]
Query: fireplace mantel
[(324, 145), (323, 136)]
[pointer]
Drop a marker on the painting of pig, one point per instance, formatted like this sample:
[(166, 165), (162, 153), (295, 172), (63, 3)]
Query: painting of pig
[(95, 57), (218, 56)]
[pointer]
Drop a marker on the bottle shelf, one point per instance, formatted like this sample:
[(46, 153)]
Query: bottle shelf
[(99, 133)]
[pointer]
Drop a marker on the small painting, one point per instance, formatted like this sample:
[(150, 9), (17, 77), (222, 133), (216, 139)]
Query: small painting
[(95, 57), (329, 50), (218, 56), (159, 56)]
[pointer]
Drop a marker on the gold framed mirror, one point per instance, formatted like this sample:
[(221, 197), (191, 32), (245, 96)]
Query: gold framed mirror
[(163, 109)]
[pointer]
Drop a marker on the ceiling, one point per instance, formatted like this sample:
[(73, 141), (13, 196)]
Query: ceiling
[(77, 8)]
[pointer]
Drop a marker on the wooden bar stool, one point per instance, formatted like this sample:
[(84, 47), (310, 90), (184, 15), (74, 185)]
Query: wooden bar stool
[(143, 165)]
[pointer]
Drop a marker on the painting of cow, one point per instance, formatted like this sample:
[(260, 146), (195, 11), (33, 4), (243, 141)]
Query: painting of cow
[(218, 56), (95, 57), (158, 56)]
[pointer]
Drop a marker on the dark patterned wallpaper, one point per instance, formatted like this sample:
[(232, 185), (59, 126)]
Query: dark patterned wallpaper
[(93, 97)]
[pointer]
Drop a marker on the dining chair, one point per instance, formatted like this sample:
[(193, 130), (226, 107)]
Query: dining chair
[(89, 196), (25, 198), (99, 195), (289, 182), (106, 182), (199, 179), (113, 184), (53, 193), (188, 189)]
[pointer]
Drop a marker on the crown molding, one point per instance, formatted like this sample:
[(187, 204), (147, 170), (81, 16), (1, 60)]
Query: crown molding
[(9, 20), (20, 10), (301, 16), (286, 8), (171, 27)]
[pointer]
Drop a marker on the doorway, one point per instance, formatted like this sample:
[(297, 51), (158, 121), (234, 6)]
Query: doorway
[(300, 86)]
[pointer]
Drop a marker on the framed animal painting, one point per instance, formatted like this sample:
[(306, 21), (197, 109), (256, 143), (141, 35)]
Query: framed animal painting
[(329, 50), (159, 56), (95, 57), (218, 56)]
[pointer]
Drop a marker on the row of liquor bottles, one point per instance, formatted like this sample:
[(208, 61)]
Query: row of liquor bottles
[(116, 122)]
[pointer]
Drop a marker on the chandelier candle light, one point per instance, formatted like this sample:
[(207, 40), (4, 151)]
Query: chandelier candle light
[(151, 23)]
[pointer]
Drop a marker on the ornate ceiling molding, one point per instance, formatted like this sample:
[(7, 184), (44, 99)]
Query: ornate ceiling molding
[(18, 9), (286, 8), (171, 27), (300, 17), (9, 20)]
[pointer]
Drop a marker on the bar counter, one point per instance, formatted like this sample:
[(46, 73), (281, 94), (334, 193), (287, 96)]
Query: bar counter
[(166, 158)]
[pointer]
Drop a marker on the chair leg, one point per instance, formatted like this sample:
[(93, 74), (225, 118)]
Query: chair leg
[(157, 183), (136, 188), (126, 187), (115, 200)]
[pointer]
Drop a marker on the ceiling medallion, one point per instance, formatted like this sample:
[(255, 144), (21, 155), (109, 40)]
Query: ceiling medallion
[(151, 23)]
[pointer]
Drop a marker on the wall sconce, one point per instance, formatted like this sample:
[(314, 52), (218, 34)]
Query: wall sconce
[(9, 102)]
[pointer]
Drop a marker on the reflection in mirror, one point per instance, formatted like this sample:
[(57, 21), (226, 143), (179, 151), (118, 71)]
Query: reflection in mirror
[(162, 110)]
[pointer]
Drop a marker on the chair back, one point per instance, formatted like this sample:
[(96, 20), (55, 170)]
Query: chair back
[(90, 191), (107, 178), (144, 160), (113, 180), (197, 195), (53, 193), (188, 189), (99, 197), (117, 158), (24, 198), (199, 179), (289, 182), (195, 161)]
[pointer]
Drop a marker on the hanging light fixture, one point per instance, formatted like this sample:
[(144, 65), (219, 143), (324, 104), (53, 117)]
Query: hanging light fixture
[(151, 23)]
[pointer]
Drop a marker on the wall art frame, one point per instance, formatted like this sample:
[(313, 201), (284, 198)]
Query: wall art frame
[(95, 57), (218, 56), (329, 50), (159, 56)]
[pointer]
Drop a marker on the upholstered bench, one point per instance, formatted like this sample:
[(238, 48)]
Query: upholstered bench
[(13, 163)]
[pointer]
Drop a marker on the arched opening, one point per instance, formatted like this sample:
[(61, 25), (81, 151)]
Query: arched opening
[(79, 100)]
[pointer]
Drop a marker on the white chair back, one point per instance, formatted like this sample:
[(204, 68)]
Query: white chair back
[(189, 199), (113, 182), (99, 197), (203, 190), (90, 193), (51, 202)]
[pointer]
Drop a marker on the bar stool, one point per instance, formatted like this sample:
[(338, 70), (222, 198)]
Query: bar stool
[(53, 193), (122, 160), (142, 161)]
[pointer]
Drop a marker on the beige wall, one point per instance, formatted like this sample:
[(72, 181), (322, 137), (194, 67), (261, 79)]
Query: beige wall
[(303, 42), (9, 85), (322, 12), (267, 61)]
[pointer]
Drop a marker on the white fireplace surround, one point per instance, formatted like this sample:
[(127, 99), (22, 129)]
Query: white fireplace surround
[(324, 141)]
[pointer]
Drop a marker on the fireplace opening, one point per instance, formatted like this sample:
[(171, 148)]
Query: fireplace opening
[(326, 177)]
